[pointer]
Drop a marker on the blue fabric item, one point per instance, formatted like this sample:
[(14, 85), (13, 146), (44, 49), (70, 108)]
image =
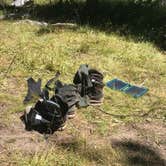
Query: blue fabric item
[(117, 84), (134, 91)]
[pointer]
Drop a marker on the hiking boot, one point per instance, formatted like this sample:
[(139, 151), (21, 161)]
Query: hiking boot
[(96, 95), (28, 108), (71, 113), (90, 84), (62, 127), (96, 102)]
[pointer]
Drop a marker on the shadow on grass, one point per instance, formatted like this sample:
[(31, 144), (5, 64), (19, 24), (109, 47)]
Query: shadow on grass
[(102, 155), (127, 152), (138, 154), (142, 20)]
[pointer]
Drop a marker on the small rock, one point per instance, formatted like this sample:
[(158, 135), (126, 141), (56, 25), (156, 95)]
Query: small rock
[(2, 17), (148, 119)]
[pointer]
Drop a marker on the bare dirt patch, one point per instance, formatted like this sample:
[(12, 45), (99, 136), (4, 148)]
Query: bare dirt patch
[(12, 86), (141, 143), (14, 137), (3, 107)]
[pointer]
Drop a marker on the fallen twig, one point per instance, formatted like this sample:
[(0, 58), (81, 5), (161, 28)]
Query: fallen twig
[(117, 115), (10, 65)]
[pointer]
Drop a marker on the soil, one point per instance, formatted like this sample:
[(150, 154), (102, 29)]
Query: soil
[(148, 137)]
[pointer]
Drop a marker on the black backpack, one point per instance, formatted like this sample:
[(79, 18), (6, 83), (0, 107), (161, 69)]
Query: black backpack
[(46, 116), (50, 114)]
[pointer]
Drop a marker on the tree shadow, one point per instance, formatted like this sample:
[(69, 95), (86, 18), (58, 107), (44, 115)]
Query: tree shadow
[(141, 20), (137, 154), (130, 153), (101, 155)]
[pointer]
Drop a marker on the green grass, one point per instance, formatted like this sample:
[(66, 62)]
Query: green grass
[(41, 55), (76, 153)]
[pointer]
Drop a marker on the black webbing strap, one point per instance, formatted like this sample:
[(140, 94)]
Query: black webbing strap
[(50, 86), (52, 81)]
